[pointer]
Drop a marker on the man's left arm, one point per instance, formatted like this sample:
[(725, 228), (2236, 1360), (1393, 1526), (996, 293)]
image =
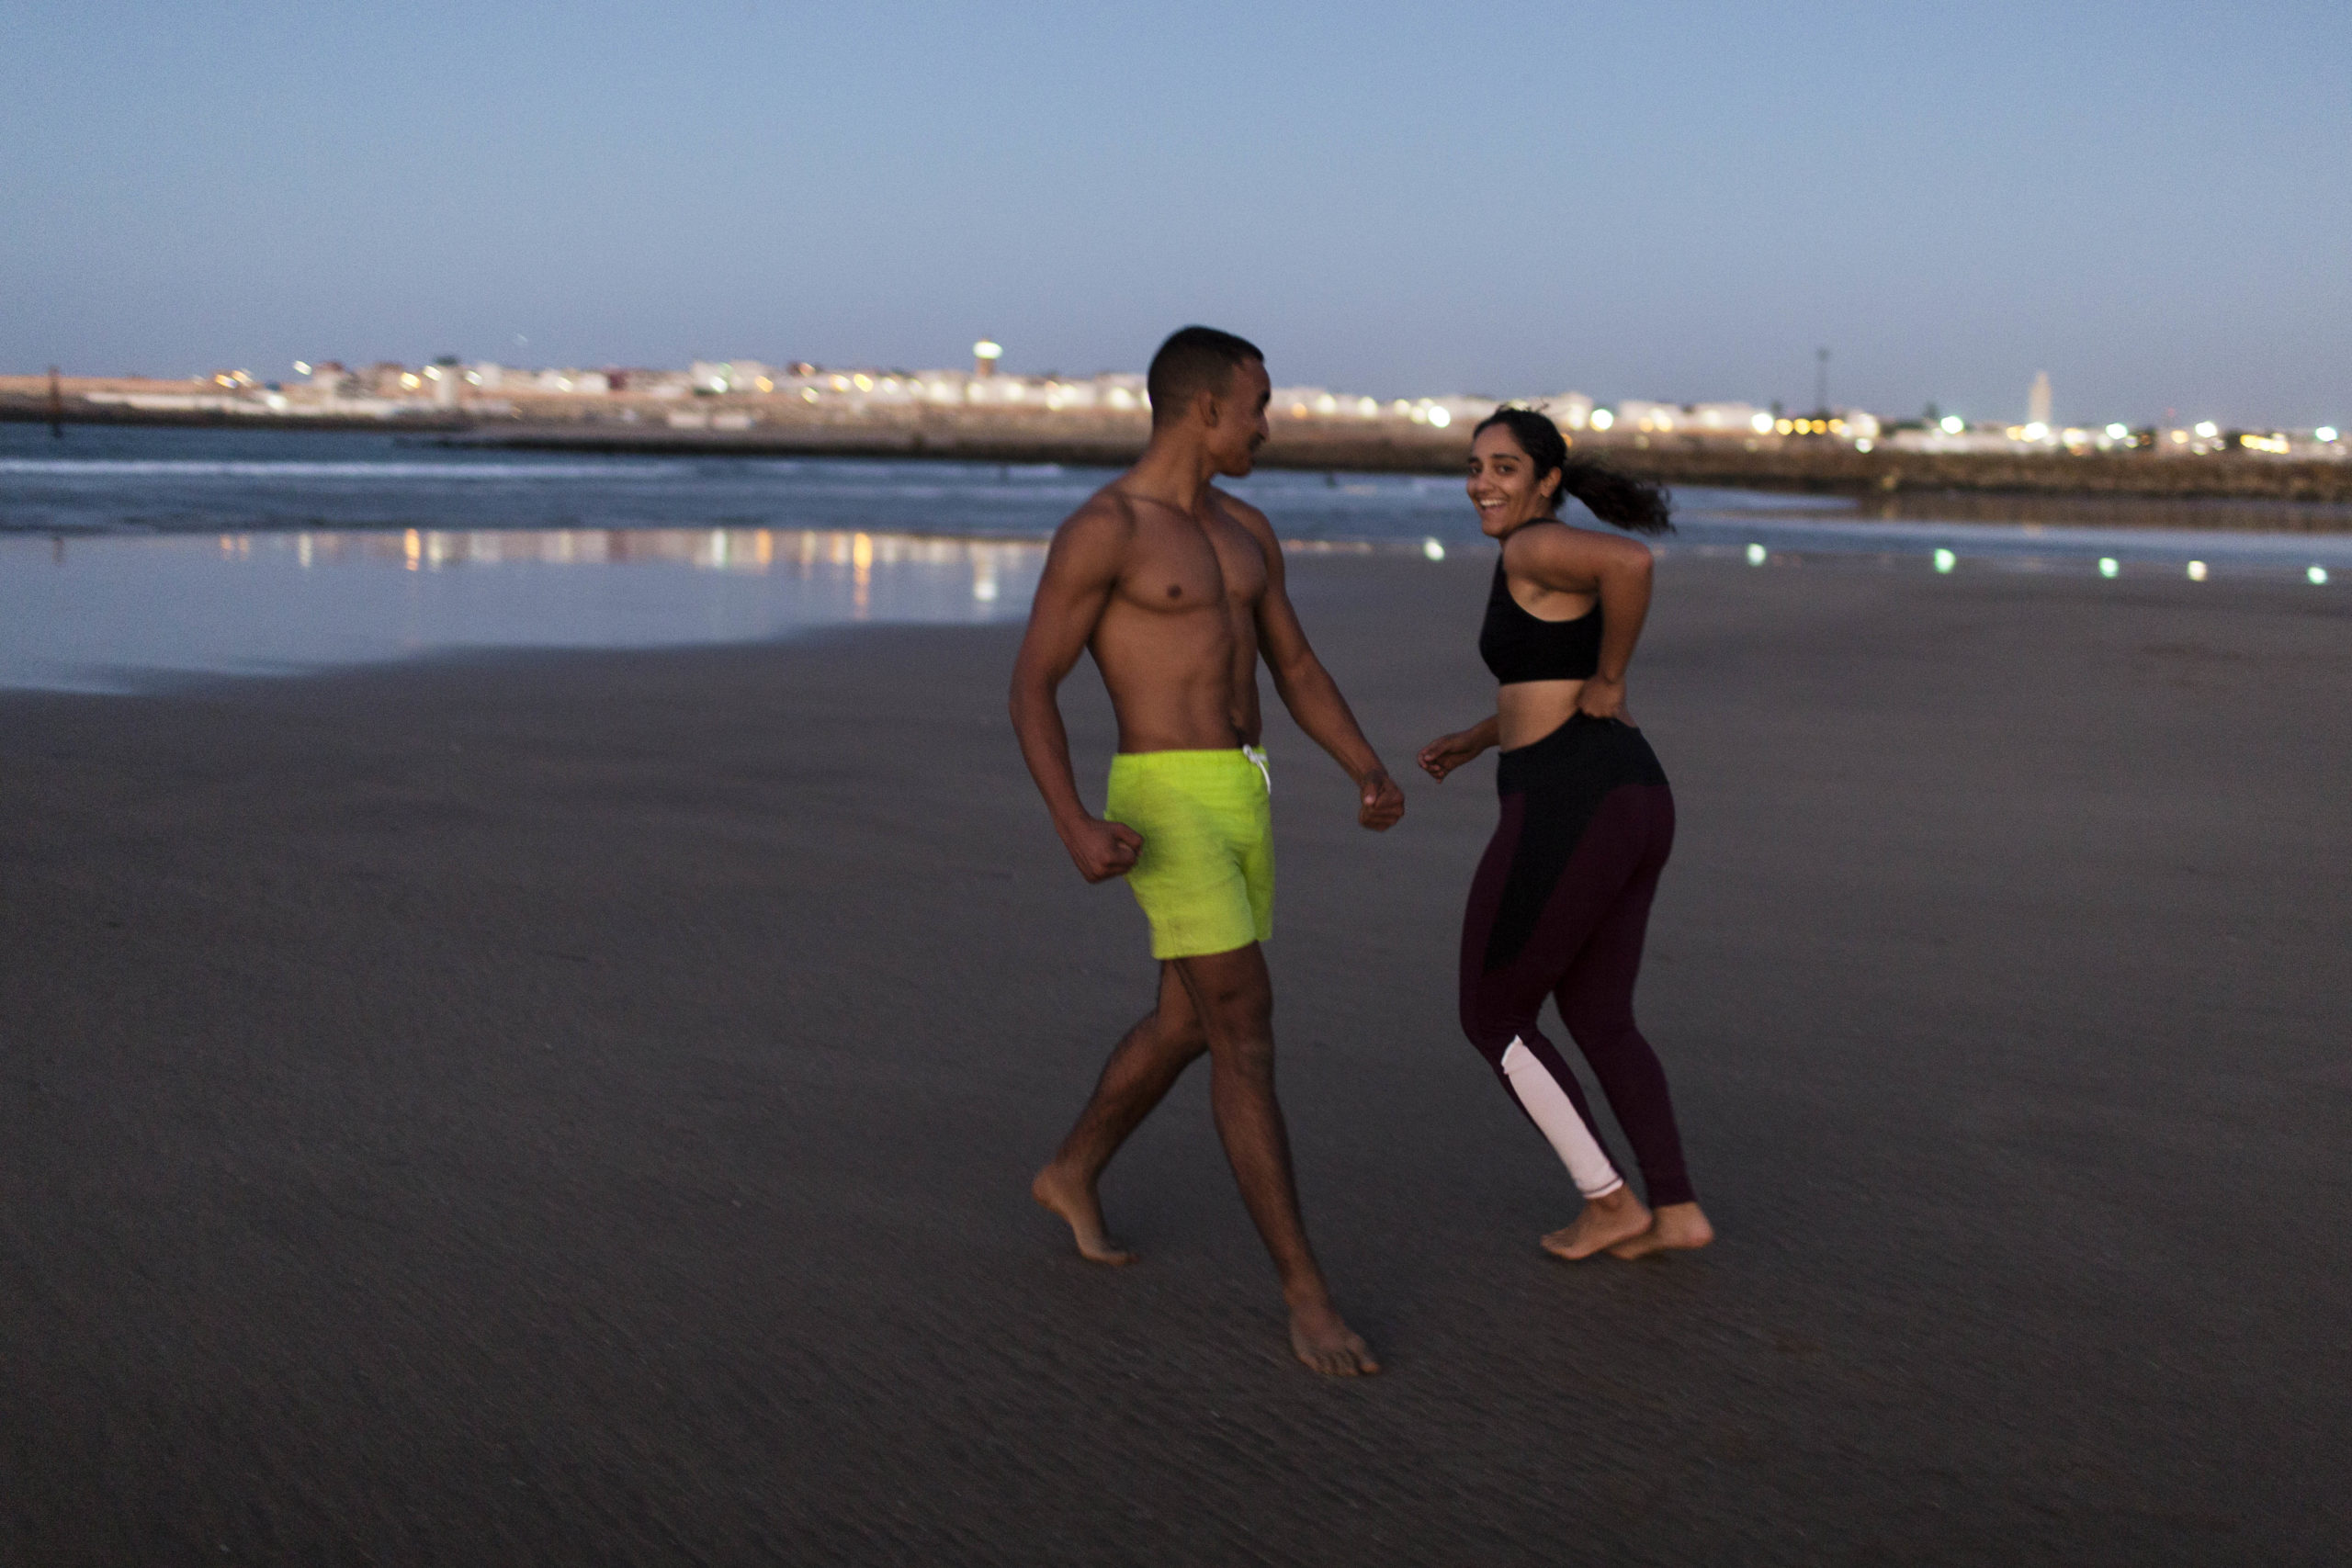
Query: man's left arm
[(1307, 689)]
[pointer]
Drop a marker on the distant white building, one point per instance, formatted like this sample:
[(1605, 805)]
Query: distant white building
[(1737, 419), (571, 380), (1937, 438), (657, 383), (1121, 391), (731, 376), (485, 376), (1459, 408), (1570, 410), (1321, 402), (1641, 414)]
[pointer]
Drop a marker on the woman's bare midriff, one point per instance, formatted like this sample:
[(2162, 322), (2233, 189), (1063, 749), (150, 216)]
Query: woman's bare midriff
[(1527, 711)]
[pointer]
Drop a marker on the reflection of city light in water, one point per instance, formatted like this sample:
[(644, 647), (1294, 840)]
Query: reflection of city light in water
[(315, 598)]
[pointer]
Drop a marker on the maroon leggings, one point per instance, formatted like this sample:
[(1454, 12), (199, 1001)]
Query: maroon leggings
[(1559, 907)]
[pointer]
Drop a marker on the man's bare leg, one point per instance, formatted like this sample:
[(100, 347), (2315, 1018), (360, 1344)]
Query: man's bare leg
[(1232, 996), (1676, 1228), (1606, 1220), (1143, 1067)]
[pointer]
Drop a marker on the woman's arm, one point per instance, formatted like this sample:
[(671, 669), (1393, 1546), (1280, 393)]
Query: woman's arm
[(1447, 752), (1576, 560)]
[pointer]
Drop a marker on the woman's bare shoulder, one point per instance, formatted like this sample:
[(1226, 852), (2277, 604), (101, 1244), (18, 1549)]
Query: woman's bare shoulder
[(1568, 559)]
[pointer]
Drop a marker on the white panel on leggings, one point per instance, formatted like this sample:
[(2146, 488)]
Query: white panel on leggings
[(1556, 1113)]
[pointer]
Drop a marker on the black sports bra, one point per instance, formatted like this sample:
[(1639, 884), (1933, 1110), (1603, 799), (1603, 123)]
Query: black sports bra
[(1520, 647)]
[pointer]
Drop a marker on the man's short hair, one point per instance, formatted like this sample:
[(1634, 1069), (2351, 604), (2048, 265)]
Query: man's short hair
[(1195, 360)]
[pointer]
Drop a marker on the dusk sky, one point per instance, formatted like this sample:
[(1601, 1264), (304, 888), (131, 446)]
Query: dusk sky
[(1680, 202)]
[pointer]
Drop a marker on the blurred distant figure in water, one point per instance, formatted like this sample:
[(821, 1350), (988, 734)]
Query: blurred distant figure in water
[(1176, 588), (1561, 901)]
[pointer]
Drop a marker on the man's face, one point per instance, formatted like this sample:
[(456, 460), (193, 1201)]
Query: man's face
[(1240, 420)]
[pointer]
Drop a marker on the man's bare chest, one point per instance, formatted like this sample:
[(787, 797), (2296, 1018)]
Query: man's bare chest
[(1183, 567)]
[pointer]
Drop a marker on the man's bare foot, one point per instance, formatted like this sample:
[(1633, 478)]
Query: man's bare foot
[(1075, 1200), (1606, 1222), (1676, 1228), (1322, 1342)]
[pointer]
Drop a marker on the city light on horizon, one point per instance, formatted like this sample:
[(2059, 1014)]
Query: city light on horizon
[(1057, 392), (741, 394)]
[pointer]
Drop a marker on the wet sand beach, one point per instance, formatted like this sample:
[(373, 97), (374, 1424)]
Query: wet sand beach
[(577, 1109)]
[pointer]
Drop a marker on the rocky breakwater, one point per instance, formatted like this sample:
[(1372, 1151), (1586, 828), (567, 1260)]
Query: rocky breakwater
[(1398, 445)]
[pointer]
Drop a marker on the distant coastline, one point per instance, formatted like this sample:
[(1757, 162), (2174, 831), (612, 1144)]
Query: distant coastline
[(727, 428)]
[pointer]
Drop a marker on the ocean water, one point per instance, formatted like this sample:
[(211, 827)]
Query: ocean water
[(133, 556)]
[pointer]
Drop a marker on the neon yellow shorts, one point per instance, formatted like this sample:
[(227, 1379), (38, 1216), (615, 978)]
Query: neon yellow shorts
[(1206, 876)]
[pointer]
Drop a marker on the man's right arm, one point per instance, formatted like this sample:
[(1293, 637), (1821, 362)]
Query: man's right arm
[(1082, 571)]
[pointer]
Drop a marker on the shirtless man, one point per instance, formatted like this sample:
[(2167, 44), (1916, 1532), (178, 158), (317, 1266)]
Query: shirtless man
[(1176, 588)]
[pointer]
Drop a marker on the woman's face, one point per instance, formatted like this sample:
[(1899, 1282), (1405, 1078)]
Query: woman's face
[(1503, 485)]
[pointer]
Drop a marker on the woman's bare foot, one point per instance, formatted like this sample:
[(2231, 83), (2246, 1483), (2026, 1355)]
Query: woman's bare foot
[(1075, 1202), (1606, 1221), (1676, 1228), (1328, 1345)]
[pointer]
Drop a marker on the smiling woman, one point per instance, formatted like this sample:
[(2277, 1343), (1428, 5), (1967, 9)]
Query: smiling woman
[(1561, 900)]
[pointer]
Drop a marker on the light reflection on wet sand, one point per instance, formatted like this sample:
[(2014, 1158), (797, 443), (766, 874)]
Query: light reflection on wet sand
[(123, 612), (112, 614), (704, 550)]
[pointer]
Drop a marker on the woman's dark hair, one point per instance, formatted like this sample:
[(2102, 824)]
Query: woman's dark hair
[(1615, 497)]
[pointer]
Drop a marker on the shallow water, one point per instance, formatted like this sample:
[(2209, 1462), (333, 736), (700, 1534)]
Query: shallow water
[(132, 556), (117, 613)]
